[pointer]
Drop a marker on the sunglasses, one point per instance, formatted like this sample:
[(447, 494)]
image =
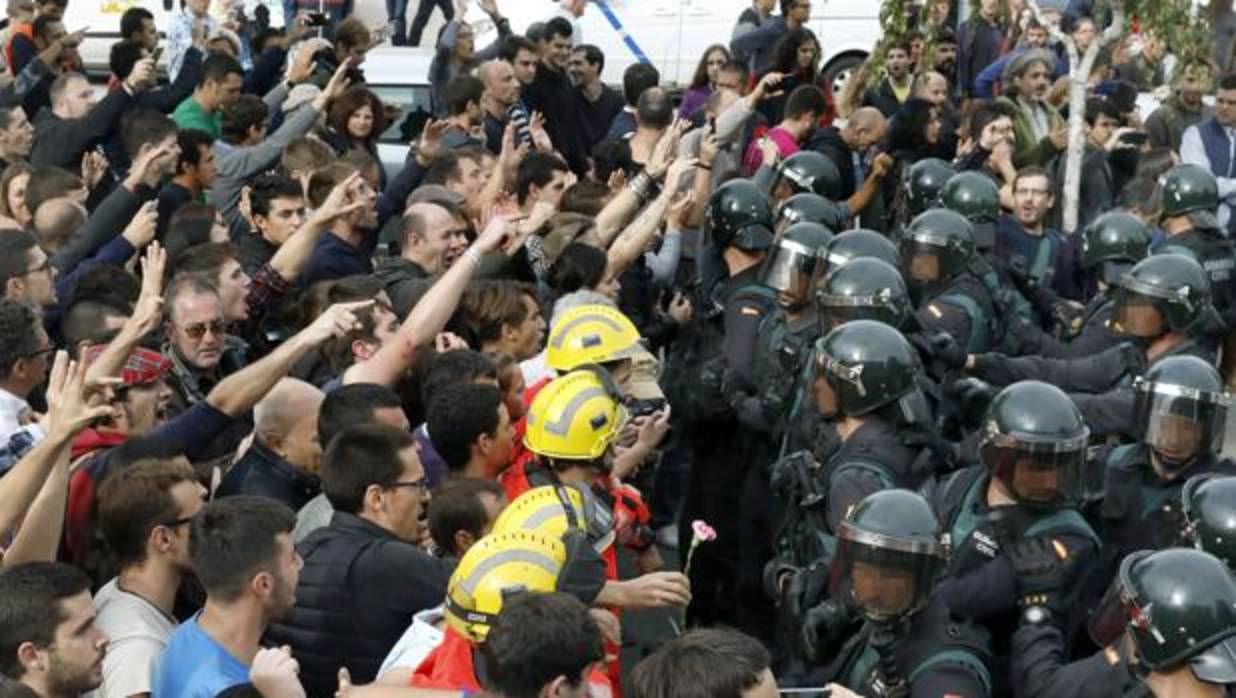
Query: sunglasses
[(198, 329)]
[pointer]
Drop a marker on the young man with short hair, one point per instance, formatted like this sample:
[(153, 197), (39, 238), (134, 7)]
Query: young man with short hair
[(144, 513), (552, 94), (598, 103), (242, 553), (48, 637), (471, 430), (220, 86), (195, 173)]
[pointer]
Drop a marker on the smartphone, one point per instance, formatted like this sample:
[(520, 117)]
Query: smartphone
[(317, 19), (156, 54), (712, 125), (1136, 138)]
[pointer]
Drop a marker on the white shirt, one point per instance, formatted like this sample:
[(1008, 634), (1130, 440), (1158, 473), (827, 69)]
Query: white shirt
[(13, 411), (137, 634), (417, 642)]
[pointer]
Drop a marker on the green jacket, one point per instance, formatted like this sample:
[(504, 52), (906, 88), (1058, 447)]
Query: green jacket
[(190, 114), (1027, 150)]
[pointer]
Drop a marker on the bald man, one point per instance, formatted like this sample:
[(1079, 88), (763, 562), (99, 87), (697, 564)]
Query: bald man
[(500, 104), (932, 87), (430, 238), (283, 461), (57, 220)]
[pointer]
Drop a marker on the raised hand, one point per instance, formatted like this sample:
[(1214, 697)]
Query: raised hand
[(141, 230), (342, 201), (336, 321), (71, 407)]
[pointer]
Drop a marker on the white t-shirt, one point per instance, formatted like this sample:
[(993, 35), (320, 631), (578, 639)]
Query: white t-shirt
[(137, 633), (418, 641)]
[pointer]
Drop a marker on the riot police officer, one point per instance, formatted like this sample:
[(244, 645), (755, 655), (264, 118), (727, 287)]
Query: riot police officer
[(809, 207), (806, 171), (1026, 486), (1180, 411), (859, 242), (714, 370), (975, 196), (890, 552), (937, 250), (1190, 199), (1167, 625), (864, 288), (1161, 309), (785, 337), (1206, 503)]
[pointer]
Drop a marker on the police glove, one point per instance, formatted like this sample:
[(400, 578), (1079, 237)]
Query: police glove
[(971, 396), (825, 627), (1039, 566), (1069, 316), (1134, 358)]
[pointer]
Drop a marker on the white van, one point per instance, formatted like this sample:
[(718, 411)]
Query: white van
[(673, 34)]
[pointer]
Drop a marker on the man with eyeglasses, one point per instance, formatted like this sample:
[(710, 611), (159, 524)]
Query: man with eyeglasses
[(1043, 259), (201, 350), (25, 357), (144, 513), (25, 270), (371, 552)]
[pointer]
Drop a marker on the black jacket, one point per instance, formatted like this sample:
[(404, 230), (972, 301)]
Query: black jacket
[(358, 591), (263, 473), (552, 94), (62, 142), (829, 142)]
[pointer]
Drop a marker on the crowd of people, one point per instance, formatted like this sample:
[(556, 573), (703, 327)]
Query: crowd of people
[(816, 376)]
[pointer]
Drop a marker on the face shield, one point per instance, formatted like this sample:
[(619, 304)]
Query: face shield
[(884, 578), (921, 259), (1179, 423), (822, 393), (1143, 310), (1039, 472), (790, 269)]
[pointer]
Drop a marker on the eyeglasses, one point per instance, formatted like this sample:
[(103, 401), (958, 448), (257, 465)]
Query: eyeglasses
[(39, 353), (198, 329), (42, 267), (421, 484)]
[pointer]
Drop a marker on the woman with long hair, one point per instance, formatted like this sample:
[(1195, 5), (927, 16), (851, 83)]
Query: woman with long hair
[(705, 81), (13, 193), (797, 57)]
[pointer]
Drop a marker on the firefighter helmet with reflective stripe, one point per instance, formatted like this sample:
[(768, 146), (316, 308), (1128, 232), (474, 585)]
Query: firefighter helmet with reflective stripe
[(555, 510), (497, 566), (590, 334), (575, 417)]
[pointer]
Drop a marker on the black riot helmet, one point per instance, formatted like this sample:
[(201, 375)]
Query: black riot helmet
[(861, 242), (1033, 441), (943, 235), (1177, 607), (924, 182), (1208, 502), (808, 171), (973, 195), (1180, 407), (1113, 243), (888, 538), (791, 264), (810, 208), (1189, 190), (864, 288), (867, 365), (738, 215), (1172, 284)]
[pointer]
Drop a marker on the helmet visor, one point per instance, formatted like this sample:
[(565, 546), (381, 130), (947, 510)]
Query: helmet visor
[(1180, 423), (883, 577), (1137, 315), (921, 258), (837, 310), (1037, 473), (790, 268)]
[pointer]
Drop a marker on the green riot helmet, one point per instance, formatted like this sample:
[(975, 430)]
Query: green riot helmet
[(889, 554), (738, 215), (791, 264), (1209, 505), (1113, 243), (1160, 293), (1180, 407), (809, 208), (1033, 441), (1177, 607), (924, 182), (860, 243), (973, 195), (807, 171), (936, 246), (1189, 190), (866, 365), (864, 288)]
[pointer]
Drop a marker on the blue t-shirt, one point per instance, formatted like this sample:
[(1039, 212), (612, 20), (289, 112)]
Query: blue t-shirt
[(195, 666)]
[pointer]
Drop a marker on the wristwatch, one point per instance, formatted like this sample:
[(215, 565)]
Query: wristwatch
[(1036, 615)]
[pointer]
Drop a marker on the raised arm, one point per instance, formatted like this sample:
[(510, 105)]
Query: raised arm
[(430, 315), (147, 314), (292, 256)]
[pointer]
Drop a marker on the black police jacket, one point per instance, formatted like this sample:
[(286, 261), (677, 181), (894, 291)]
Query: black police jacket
[(358, 591), (1038, 669), (876, 457)]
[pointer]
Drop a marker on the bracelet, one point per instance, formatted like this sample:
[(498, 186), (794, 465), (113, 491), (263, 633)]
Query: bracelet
[(640, 183), (473, 255)]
